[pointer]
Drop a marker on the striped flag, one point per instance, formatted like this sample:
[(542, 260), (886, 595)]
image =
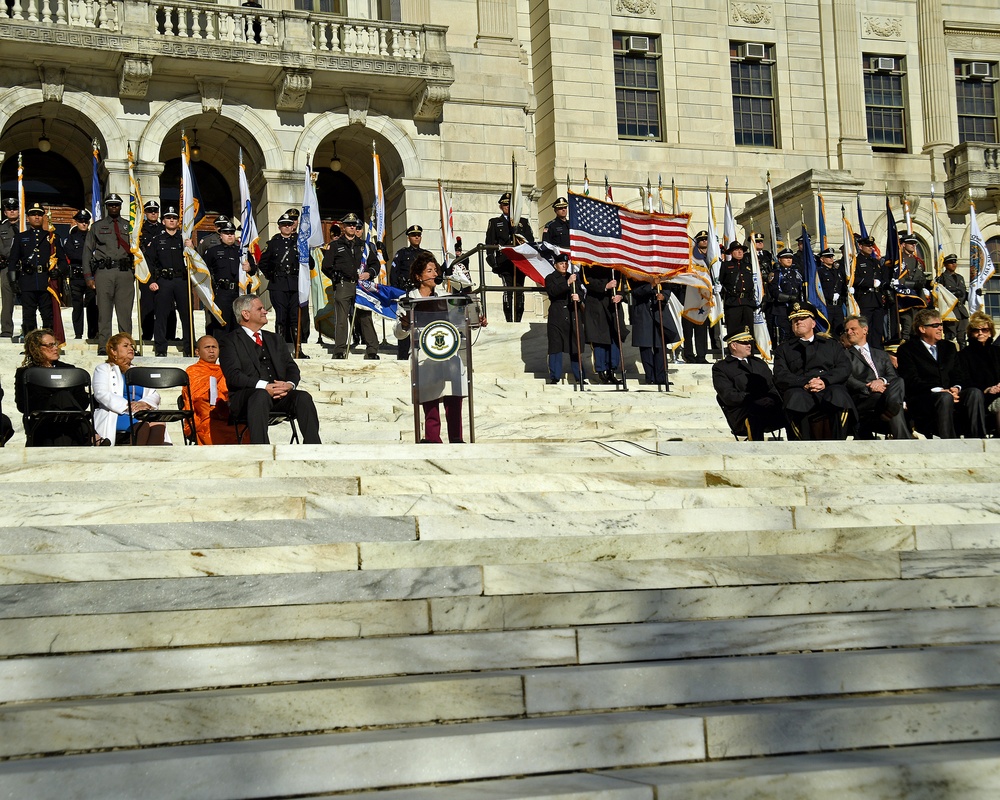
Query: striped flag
[(198, 274), (527, 258), (136, 220), (378, 211), (249, 238), (310, 233), (95, 187), (850, 259), (728, 221), (22, 219), (761, 335)]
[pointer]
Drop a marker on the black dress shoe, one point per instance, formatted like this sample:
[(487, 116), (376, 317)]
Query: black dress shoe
[(610, 379), (340, 355), (303, 355), (372, 357), (552, 381), (160, 354)]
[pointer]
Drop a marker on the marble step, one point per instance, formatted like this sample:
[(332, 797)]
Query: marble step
[(158, 719), (362, 619), (302, 764), (184, 668)]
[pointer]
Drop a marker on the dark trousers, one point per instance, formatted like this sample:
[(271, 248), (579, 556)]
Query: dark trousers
[(652, 364), (432, 419), (284, 291), (956, 331), (84, 301), (364, 324), (939, 409), (224, 300), (803, 406), (876, 325), (872, 406), (513, 302), (403, 349), (31, 301), (695, 340), (6, 305), (171, 297), (737, 318), (556, 366), (260, 404)]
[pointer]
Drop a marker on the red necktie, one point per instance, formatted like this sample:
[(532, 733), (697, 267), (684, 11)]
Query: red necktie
[(118, 235), (257, 339)]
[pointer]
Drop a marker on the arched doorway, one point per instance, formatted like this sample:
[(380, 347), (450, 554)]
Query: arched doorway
[(49, 179), (213, 189)]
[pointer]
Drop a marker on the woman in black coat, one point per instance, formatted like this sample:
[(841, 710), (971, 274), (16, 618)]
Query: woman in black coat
[(980, 361)]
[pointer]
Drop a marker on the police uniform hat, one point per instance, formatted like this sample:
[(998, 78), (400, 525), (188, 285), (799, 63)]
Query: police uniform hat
[(951, 258), (786, 253), (867, 241), (827, 252), (736, 245), (113, 199), (801, 311), (82, 215), (758, 237), (224, 225), (221, 220), (35, 208), (10, 204), (740, 336), (561, 202), (909, 238), (350, 219), (151, 205), (414, 230), (701, 236), (286, 219), (171, 211), (504, 198), (800, 239), (294, 213)]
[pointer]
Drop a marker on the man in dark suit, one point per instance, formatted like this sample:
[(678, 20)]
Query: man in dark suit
[(811, 372), (504, 232), (878, 392), (936, 389), (262, 376), (745, 389)]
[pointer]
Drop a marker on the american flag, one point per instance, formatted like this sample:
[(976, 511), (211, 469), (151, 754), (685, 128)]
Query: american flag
[(644, 245)]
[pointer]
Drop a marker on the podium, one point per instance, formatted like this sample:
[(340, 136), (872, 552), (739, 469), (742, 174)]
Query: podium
[(440, 354)]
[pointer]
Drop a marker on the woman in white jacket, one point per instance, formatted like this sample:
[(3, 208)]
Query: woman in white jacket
[(111, 417)]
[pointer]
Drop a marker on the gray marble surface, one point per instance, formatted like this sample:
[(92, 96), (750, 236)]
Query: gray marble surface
[(571, 786)]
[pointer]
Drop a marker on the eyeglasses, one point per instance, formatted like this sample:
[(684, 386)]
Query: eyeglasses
[(48, 344), (979, 330), (933, 325)]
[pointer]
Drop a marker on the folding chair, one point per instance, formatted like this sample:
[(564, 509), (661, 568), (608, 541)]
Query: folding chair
[(273, 418), (159, 378), (62, 380)]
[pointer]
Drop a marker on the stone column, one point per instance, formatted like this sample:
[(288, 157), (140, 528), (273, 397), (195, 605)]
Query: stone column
[(415, 12), (495, 19), (118, 179), (936, 74), (148, 174), (853, 148)]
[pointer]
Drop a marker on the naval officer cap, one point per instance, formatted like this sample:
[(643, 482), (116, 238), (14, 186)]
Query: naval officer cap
[(802, 311), (561, 202), (740, 336)]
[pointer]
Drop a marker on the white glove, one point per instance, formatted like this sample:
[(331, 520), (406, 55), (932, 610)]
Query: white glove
[(927, 293), (836, 297), (850, 291), (894, 284), (877, 283)]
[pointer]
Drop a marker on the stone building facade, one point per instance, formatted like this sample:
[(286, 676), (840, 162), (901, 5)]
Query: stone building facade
[(842, 96)]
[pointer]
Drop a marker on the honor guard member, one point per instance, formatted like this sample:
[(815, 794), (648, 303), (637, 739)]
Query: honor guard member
[(696, 334), (280, 265), (557, 231), (31, 259), (739, 299), (502, 232), (952, 280), (604, 320), (784, 288), (151, 228), (210, 240), (225, 261), (911, 287), (8, 227), (342, 263), (399, 276), (107, 267), (293, 214), (869, 290), (834, 283), (168, 282), (745, 390), (811, 372), (83, 297), (799, 257)]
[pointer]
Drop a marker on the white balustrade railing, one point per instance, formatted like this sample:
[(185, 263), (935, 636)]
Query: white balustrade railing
[(379, 40), (103, 14), (216, 23)]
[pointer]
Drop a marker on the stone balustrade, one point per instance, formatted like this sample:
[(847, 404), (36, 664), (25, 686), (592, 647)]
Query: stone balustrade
[(104, 14), (973, 170)]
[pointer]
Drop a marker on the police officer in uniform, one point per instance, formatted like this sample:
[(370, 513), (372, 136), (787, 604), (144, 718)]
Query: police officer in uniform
[(911, 286), (83, 297), (280, 265), (224, 261), (399, 276), (869, 290), (953, 281), (557, 231), (151, 228), (8, 227), (501, 231), (210, 240), (738, 294), (168, 282), (31, 260), (342, 263), (107, 267), (784, 287), (834, 283)]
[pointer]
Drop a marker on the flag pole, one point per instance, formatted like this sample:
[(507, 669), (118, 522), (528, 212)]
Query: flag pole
[(187, 262), (663, 342), (615, 308)]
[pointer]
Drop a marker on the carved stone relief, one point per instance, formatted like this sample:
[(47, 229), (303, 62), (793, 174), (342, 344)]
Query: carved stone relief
[(757, 15), (290, 92), (358, 101), (53, 81), (133, 79), (211, 95), (881, 27), (645, 7), (428, 104)]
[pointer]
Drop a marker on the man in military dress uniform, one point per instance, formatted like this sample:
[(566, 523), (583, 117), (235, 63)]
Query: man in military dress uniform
[(765, 258), (953, 281), (696, 335), (84, 298), (31, 260), (224, 261), (280, 265), (811, 372), (343, 261), (8, 227), (784, 288), (738, 295), (107, 267), (503, 232), (745, 390), (399, 276), (869, 290), (168, 282), (834, 283), (911, 288), (151, 228)]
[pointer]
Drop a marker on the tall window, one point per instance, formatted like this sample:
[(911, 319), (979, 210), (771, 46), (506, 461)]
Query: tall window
[(325, 6), (991, 291), (637, 86), (884, 106), (976, 91), (754, 119)]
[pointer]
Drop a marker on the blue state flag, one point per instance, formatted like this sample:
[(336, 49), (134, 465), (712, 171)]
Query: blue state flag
[(814, 289), (379, 298)]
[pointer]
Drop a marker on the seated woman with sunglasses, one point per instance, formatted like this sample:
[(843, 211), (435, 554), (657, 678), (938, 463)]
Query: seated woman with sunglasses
[(42, 350), (111, 418), (980, 361)]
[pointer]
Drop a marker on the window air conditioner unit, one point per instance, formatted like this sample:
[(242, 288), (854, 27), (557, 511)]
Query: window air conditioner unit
[(754, 51), (977, 69), (884, 64), (637, 44)]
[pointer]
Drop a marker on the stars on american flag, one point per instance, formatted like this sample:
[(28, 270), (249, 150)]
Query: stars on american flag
[(598, 219)]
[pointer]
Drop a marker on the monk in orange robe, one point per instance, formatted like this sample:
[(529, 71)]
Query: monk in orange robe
[(210, 396)]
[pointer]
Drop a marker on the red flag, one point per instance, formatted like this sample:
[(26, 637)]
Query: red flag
[(527, 259)]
